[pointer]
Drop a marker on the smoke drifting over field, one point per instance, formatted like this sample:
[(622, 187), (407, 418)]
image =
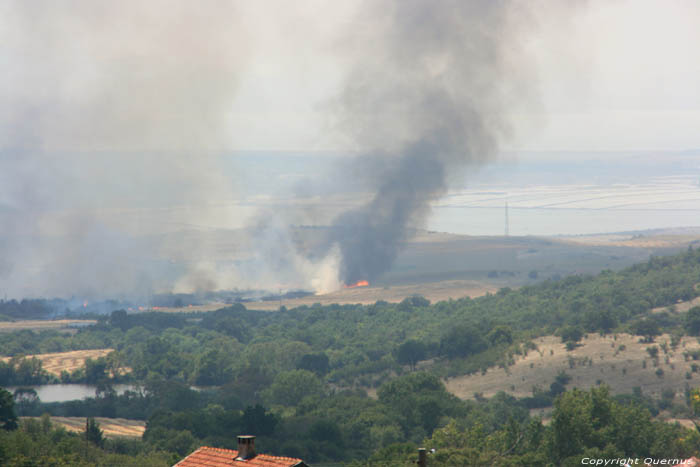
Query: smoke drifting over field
[(122, 110), (107, 107), (425, 100)]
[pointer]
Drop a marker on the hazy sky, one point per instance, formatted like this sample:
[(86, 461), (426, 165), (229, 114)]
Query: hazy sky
[(612, 75)]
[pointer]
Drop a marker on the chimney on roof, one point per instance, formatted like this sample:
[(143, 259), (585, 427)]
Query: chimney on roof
[(422, 460), (246, 447)]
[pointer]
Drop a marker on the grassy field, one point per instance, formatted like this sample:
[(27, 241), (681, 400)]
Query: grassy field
[(111, 427), (55, 363), (680, 306), (620, 361), (433, 291), (190, 308), (433, 256), (631, 240), (441, 265), (40, 325)]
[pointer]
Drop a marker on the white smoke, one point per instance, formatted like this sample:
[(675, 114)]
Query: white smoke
[(108, 107)]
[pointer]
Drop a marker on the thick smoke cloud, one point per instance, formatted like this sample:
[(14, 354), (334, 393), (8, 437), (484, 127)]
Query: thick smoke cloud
[(108, 111), (425, 99), (113, 117)]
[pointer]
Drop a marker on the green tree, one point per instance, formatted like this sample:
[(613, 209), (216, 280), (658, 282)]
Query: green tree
[(692, 321), (326, 431), (588, 422), (95, 370), (26, 400), (419, 400), (214, 367), (648, 328), (410, 353), (601, 320), (695, 401), (8, 418), (93, 433), (571, 334), (257, 421), (290, 387), (28, 371), (461, 341), (500, 335), (119, 319), (411, 303), (653, 351), (316, 362), (572, 424)]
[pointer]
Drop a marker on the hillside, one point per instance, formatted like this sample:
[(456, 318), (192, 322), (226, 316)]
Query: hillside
[(503, 353), (620, 361)]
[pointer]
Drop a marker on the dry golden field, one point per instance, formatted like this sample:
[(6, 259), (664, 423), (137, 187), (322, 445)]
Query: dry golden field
[(666, 240), (190, 308), (433, 291), (620, 361), (441, 266), (39, 325), (112, 427), (55, 363), (679, 307)]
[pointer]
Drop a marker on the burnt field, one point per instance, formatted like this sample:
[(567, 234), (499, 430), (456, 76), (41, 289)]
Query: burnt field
[(440, 266)]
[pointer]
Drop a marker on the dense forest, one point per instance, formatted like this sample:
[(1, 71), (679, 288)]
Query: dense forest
[(359, 384)]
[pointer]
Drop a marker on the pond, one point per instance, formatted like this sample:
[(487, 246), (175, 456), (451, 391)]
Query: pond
[(69, 392)]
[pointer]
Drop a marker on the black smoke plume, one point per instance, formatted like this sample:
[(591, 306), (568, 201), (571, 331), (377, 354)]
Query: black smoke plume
[(425, 100)]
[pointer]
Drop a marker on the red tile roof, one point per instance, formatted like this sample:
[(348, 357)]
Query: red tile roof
[(216, 457)]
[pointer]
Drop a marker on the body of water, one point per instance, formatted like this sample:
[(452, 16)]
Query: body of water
[(569, 209), (69, 392)]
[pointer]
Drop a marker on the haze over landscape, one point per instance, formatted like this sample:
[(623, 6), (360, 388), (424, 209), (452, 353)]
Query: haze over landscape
[(150, 128), (349, 229)]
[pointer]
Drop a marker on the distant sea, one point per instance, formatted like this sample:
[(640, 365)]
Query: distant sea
[(570, 209), (567, 194), (548, 193)]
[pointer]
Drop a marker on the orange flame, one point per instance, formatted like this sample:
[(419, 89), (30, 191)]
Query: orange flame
[(361, 283)]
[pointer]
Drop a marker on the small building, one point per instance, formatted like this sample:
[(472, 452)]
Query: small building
[(245, 456)]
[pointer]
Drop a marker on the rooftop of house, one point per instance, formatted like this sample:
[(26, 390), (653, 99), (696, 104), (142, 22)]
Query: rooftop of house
[(216, 457)]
